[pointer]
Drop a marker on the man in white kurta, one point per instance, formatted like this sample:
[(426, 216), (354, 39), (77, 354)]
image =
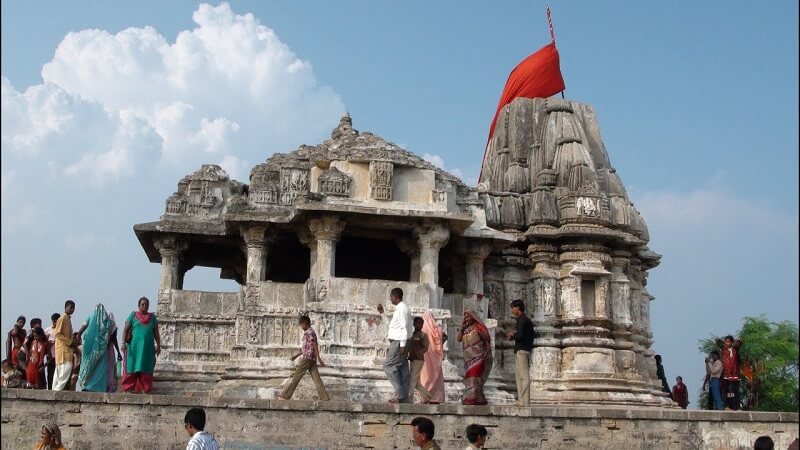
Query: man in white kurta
[(396, 364)]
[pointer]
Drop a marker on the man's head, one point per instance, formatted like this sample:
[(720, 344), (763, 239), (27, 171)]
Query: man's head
[(477, 434), (396, 296), (714, 355), (21, 321), (36, 322), (69, 307), (679, 380), (304, 322), (7, 365), (422, 430), (194, 421), (764, 443), (728, 341), (658, 359), (144, 304), (418, 323), (518, 308), (55, 318)]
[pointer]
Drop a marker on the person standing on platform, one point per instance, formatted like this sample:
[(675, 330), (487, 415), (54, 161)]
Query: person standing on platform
[(432, 376), (714, 371), (396, 363), (478, 360), (65, 347), (662, 376), (523, 344), (50, 332), (15, 339), (680, 394), (730, 371), (417, 347), (141, 333)]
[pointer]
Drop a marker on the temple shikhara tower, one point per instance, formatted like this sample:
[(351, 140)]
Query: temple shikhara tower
[(330, 229)]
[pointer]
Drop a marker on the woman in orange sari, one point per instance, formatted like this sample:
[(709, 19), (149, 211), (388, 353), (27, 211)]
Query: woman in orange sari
[(432, 377), (477, 343), (34, 372)]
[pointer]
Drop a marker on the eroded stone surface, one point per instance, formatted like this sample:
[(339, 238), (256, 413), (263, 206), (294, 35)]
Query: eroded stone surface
[(127, 421)]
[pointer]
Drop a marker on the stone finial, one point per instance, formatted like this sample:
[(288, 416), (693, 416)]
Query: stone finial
[(345, 127)]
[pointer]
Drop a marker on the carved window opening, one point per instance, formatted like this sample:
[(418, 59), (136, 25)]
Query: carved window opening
[(452, 275), (208, 279), (371, 259), (588, 297), (288, 261)]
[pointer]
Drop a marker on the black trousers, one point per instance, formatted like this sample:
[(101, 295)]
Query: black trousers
[(730, 394), (51, 372)]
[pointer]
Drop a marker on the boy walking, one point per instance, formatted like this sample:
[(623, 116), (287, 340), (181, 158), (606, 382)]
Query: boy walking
[(417, 347), (311, 356)]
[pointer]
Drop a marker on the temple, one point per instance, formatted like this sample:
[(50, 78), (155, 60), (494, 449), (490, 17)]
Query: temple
[(329, 229)]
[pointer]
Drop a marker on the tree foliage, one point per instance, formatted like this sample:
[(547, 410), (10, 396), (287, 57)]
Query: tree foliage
[(769, 364)]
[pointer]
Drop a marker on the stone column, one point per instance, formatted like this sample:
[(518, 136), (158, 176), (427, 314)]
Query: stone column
[(620, 292), (432, 238), (170, 247), (476, 254), (327, 231), (546, 357), (256, 241), (308, 239), (411, 248)]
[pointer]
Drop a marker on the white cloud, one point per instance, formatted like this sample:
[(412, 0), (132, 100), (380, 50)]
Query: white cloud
[(470, 178), (710, 207), (228, 87), (236, 168)]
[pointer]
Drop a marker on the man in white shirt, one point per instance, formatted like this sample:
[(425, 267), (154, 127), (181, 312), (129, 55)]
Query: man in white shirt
[(194, 422), (400, 329), (50, 332)]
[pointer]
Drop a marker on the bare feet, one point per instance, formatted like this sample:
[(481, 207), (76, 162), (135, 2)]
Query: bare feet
[(279, 397), (394, 400)]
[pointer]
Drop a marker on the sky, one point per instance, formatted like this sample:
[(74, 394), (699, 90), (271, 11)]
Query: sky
[(106, 105)]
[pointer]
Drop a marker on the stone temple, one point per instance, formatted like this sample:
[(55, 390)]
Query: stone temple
[(329, 229)]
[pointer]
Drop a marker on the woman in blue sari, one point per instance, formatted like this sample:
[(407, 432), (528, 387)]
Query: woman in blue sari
[(96, 336)]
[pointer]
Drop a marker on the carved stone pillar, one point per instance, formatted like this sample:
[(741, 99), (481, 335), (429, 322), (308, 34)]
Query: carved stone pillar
[(411, 248), (327, 231), (476, 253), (308, 239), (256, 241), (431, 239), (546, 357), (170, 247), (620, 293)]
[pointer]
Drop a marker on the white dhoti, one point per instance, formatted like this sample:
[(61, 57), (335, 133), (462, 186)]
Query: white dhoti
[(61, 379)]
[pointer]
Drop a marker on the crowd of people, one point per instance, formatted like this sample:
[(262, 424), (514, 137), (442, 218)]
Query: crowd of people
[(89, 359)]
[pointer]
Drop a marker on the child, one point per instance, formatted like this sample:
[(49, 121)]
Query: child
[(417, 347), (39, 348), (310, 354), (76, 370), (11, 377)]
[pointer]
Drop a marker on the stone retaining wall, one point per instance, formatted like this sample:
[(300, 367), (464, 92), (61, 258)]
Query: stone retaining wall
[(125, 421)]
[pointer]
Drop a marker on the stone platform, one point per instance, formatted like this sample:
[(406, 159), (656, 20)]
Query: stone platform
[(125, 421)]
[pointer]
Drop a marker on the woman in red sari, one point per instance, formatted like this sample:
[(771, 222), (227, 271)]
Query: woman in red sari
[(34, 373), (477, 343)]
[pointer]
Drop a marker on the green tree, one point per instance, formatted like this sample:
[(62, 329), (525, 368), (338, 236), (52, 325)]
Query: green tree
[(769, 364)]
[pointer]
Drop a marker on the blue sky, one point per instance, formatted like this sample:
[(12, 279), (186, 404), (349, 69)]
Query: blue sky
[(697, 104)]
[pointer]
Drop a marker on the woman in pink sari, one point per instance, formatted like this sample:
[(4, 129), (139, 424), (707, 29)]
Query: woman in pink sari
[(431, 376), (477, 343)]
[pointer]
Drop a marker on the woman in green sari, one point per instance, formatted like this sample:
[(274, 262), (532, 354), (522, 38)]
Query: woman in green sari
[(141, 332), (95, 335)]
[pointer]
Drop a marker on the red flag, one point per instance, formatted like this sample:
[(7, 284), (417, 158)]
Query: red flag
[(538, 75)]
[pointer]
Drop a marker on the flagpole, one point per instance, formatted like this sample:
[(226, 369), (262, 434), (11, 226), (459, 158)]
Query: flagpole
[(552, 33)]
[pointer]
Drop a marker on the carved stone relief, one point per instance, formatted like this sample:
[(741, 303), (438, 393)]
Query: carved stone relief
[(380, 180), (335, 183), (294, 184)]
